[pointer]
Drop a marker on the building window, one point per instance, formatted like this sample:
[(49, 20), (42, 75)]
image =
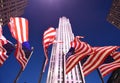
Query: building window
[(0, 19), (58, 81), (71, 76), (113, 22)]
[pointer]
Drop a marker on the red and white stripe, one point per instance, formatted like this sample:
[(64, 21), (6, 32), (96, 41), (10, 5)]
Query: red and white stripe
[(19, 28), (116, 56), (3, 51), (48, 39), (20, 56), (75, 43), (3, 55), (82, 49), (107, 68), (96, 59)]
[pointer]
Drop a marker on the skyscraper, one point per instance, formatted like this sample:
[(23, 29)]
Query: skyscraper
[(56, 71), (10, 8), (114, 14)]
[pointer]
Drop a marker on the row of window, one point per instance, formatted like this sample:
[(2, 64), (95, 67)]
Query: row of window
[(114, 21)]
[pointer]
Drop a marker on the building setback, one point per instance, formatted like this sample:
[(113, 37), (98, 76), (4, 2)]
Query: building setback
[(10, 8), (56, 71), (114, 14)]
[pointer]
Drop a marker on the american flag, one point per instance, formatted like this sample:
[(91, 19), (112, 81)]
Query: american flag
[(97, 58), (79, 51), (3, 52), (20, 56), (6, 47), (48, 39), (107, 68), (19, 30)]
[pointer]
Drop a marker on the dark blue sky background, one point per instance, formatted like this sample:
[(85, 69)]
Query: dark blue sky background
[(88, 19)]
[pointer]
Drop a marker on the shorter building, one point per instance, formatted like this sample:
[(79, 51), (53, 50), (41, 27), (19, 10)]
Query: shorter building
[(115, 77), (10, 8), (114, 14)]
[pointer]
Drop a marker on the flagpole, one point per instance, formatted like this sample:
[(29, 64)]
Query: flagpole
[(18, 75), (41, 72), (43, 67), (81, 74), (21, 69), (63, 56), (100, 75)]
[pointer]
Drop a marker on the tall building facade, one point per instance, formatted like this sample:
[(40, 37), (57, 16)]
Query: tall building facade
[(10, 8), (114, 14), (56, 71)]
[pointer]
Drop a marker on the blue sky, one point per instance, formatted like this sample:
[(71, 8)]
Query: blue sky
[(88, 19)]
